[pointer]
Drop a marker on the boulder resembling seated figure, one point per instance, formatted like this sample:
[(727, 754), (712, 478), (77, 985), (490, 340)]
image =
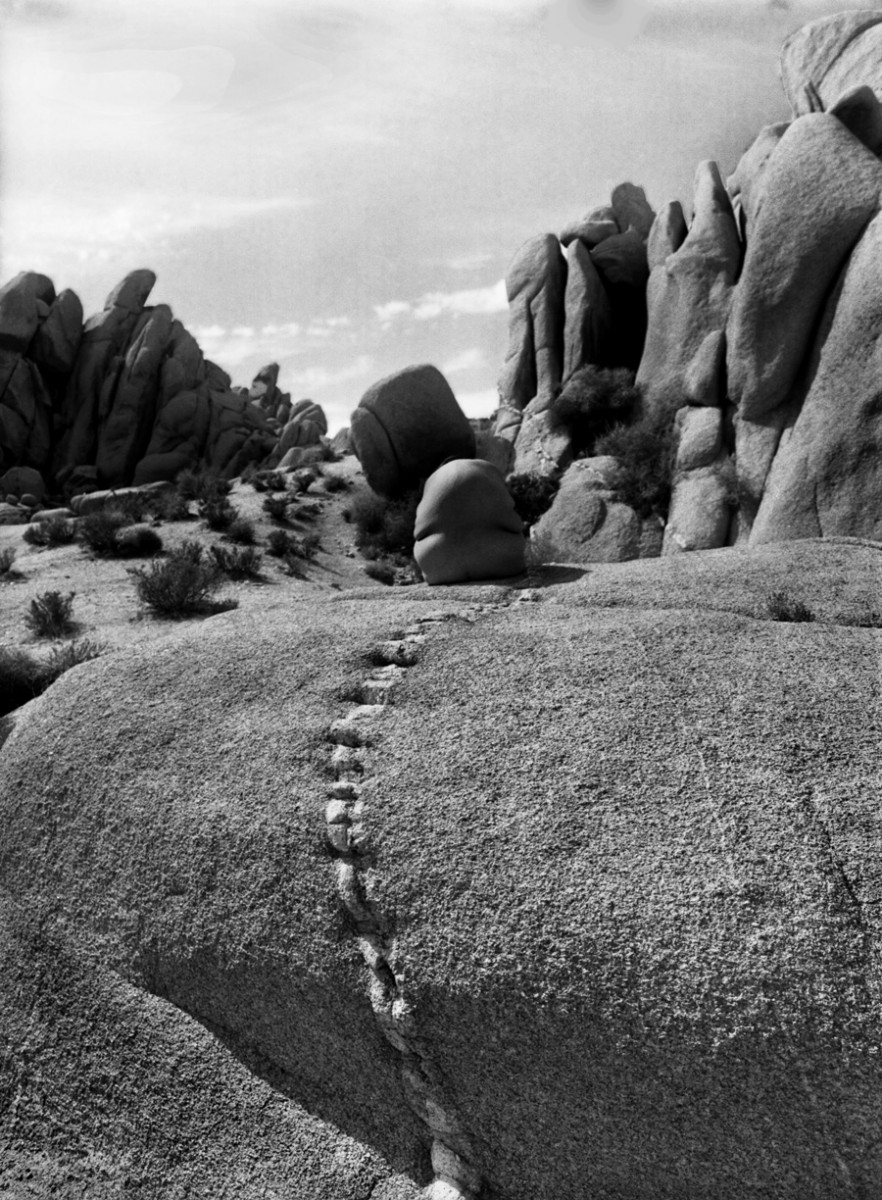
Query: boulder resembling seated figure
[(466, 525)]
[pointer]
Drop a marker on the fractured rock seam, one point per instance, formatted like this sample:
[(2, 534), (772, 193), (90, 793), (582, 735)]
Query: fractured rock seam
[(452, 1150)]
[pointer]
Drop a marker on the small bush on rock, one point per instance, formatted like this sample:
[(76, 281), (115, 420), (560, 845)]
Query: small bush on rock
[(49, 615), (645, 452), (593, 400), (56, 531), (532, 495), (180, 585), (783, 607), (243, 563), (22, 677)]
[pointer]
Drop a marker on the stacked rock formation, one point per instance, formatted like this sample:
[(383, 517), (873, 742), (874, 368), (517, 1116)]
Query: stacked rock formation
[(587, 307), (126, 397), (762, 318)]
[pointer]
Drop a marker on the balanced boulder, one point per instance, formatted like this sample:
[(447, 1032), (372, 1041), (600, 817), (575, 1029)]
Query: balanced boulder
[(827, 57), (405, 426), (24, 302), (466, 525)]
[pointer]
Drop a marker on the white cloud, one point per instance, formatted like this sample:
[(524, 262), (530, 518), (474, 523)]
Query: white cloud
[(478, 404), (470, 302), (468, 360), (321, 377), (393, 308)]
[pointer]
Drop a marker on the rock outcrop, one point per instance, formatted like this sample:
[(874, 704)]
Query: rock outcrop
[(466, 525), (404, 428), (830, 56), (128, 397)]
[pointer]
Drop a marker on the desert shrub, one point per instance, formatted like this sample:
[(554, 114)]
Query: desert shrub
[(277, 507), (383, 527), (866, 617), (70, 655), (170, 506), (7, 558), (783, 607), (280, 542), (202, 485), (383, 572), (645, 452), (135, 506), (98, 530), (49, 615), (337, 483), (179, 585), (532, 494), (138, 541), (22, 676), (240, 563), (55, 531), (591, 402), (268, 481), (241, 531), (218, 513)]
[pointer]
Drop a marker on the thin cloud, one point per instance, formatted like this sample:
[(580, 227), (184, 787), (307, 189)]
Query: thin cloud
[(471, 302), (468, 360)]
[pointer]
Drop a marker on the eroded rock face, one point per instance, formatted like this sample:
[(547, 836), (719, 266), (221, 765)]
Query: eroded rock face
[(689, 295), (745, 183), (826, 476), (622, 265), (25, 413), (586, 523), (593, 228), (405, 426), (25, 302), (830, 56), (536, 285), (466, 525), (821, 188), (588, 326)]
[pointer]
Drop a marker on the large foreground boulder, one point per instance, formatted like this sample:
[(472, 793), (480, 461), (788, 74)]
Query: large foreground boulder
[(404, 428), (623, 842), (466, 525)]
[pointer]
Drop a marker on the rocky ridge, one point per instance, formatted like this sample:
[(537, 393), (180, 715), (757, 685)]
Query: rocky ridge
[(757, 319), (127, 396)]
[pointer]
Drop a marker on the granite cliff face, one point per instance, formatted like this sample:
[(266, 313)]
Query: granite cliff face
[(759, 318), (127, 396)]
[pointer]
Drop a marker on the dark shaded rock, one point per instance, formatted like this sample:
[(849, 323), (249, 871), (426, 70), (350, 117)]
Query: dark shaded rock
[(57, 340), (25, 413), (405, 426), (24, 303), (622, 266), (179, 438), (592, 229), (588, 326), (632, 209)]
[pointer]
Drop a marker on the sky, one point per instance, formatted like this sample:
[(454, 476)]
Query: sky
[(340, 185)]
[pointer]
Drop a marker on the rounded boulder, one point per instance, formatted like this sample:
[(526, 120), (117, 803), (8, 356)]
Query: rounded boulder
[(405, 426), (466, 525)]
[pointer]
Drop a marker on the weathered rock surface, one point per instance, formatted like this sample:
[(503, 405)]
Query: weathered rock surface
[(25, 413), (585, 522), (829, 56), (593, 228), (821, 188), (536, 285), (667, 235), (700, 514), (632, 209), (55, 344), (745, 183), (593, 896), (588, 320), (826, 477), (688, 299), (21, 480), (404, 428), (179, 437), (860, 112), (25, 301), (306, 426), (466, 525)]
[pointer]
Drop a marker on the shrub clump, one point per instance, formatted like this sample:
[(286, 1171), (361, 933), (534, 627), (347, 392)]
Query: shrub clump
[(383, 528), (218, 514), (593, 400), (781, 606), (98, 530), (181, 584), (268, 481), (70, 655), (532, 494), (202, 485), (645, 452), (137, 541), (241, 531), (49, 615), (239, 563), (277, 507), (336, 483), (7, 558), (54, 531)]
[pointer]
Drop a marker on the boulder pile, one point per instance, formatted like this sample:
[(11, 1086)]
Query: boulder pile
[(127, 396), (755, 324)]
